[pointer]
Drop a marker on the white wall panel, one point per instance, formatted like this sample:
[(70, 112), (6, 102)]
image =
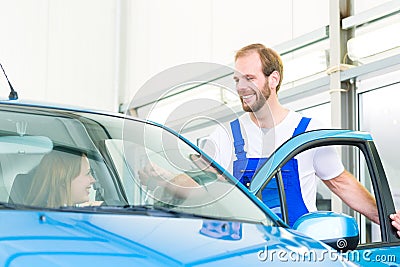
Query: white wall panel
[(60, 51), (81, 52), (236, 24), (69, 51), (163, 34), (23, 47), (309, 15)]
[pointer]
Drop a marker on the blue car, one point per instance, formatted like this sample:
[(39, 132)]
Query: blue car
[(73, 193)]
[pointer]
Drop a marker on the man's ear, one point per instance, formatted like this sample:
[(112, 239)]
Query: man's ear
[(273, 79)]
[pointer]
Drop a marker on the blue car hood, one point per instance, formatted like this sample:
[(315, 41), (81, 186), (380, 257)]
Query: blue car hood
[(30, 238)]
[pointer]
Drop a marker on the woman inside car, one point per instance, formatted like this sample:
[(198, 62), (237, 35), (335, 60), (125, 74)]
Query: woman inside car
[(61, 179)]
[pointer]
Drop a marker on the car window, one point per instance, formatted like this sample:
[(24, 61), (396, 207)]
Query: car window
[(370, 232), (40, 150), (214, 194)]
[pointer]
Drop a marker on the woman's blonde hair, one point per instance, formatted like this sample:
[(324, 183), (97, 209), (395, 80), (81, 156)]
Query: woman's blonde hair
[(51, 183)]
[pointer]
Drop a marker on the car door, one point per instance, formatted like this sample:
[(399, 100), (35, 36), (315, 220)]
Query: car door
[(379, 244)]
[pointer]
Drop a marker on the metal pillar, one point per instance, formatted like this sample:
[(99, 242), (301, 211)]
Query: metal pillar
[(342, 94)]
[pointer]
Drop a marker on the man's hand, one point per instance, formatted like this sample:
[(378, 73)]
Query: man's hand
[(153, 175), (180, 185), (90, 203), (396, 221)]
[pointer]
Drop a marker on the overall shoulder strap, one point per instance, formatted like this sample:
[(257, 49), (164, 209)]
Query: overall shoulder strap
[(301, 128), (238, 141)]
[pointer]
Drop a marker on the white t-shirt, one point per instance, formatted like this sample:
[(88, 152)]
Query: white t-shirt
[(321, 162)]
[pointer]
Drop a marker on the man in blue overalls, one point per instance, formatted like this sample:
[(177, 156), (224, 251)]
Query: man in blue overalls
[(265, 125), (244, 169)]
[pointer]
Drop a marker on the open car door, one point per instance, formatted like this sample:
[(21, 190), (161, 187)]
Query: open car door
[(366, 166)]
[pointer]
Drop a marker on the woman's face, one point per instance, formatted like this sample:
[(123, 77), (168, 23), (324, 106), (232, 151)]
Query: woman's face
[(80, 185)]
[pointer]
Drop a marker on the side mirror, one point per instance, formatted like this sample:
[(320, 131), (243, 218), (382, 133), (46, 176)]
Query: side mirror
[(339, 231)]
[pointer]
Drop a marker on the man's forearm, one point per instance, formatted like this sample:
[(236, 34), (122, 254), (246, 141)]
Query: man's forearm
[(354, 194)]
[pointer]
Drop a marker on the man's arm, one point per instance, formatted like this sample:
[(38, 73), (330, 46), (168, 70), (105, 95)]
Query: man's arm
[(179, 185), (354, 194)]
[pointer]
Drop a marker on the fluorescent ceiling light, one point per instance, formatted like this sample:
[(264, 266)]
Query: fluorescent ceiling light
[(374, 42), (184, 104), (303, 41), (304, 66)]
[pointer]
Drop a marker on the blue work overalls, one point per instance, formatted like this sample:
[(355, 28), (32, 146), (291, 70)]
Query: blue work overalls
[(244, 169)]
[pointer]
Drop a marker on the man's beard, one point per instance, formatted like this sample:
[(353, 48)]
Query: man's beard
[(261, 99)]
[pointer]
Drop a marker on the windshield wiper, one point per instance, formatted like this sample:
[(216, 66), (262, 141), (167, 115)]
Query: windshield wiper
[(5, 205)]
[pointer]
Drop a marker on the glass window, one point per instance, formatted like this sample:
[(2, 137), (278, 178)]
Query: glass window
[(380, 115), (369, 230)]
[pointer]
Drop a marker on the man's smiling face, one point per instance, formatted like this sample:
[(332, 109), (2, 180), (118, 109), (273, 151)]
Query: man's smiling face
[(251, 83)]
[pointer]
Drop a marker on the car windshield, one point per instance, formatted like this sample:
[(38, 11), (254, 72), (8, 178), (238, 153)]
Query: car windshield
[(66, 160)]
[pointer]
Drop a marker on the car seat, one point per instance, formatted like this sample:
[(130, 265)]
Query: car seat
[(20, 188)]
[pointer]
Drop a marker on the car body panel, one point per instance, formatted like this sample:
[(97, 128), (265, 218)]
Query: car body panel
[(57, 238)]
